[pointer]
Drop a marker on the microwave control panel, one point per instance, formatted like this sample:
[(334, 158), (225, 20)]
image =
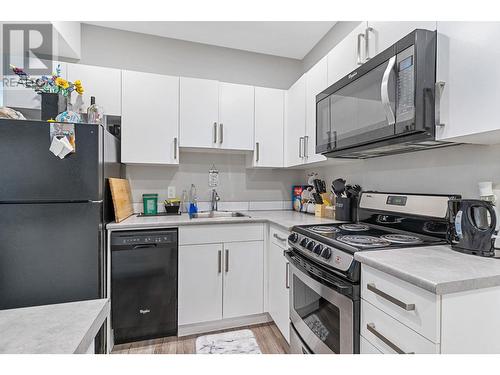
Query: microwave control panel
[(405, 104)]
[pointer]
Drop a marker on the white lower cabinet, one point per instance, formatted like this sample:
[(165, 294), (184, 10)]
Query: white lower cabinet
[(279, 282), (220, 280), (200, 283), (399, 317), (243, 279)]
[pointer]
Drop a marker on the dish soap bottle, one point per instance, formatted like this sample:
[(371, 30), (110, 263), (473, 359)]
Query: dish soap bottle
[(95, 113), (193, 204)]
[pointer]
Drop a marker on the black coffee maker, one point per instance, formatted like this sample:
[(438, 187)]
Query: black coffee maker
[(473, 226)]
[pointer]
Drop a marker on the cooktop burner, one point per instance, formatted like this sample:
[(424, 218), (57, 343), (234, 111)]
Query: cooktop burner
[(355, 227), (401, 238), (325, 229), (364, 241)]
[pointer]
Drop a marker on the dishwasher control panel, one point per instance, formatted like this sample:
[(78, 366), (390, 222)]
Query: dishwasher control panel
[(130, 239)]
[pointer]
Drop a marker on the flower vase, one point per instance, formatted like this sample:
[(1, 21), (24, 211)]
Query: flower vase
[(52, 105)]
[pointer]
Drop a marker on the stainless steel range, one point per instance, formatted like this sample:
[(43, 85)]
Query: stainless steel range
[(324, 287)]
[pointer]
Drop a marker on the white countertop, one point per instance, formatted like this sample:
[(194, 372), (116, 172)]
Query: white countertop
[(64, 328), (286, 219), (438, 269)]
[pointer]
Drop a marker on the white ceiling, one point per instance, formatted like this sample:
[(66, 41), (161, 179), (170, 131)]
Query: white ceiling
[(293, 39)]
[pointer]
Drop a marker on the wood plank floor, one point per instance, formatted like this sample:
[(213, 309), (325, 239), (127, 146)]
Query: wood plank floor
[(269, 338)]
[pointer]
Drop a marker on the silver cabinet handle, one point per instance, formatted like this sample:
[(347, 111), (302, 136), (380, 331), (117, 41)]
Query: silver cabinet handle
[(405, 306), (287, 275), (220, 261), (227, 260), (384, 91), (367, 43), (306, 146), (175, 147), (215, 133), (358, 50), (300, 147), (221, 133), (257, 151), (439, 88), (275, 235), (371, 327)]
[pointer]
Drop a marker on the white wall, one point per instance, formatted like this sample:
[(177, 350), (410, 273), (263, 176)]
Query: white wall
[(456, 170), (236, 183), (134, 51)]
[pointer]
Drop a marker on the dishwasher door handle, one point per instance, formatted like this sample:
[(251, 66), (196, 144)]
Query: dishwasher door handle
[(145, 246)]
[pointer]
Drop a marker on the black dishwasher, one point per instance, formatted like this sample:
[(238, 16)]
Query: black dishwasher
[(143, 284)]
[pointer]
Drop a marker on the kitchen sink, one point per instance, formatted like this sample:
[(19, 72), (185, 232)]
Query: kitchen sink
[(217, 214)]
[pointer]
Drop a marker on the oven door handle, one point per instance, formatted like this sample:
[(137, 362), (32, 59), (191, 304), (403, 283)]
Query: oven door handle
[(338, 287), (384, 91)]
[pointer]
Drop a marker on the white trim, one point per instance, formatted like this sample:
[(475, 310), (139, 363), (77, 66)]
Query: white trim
[(205, 327)]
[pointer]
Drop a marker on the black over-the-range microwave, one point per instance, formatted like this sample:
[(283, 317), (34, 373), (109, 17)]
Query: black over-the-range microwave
[(386, 106)]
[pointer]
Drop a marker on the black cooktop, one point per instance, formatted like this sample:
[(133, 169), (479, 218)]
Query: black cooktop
[(354, 237)]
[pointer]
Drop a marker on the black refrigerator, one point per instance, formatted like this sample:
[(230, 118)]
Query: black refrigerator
[(53, 214)]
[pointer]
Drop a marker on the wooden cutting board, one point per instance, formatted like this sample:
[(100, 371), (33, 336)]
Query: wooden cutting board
[(122, 198)]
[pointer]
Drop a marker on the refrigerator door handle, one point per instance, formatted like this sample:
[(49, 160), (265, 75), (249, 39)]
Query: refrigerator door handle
[(91, 201)]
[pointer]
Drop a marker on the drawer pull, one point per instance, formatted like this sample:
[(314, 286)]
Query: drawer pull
[(278, 237), (405, 306), (371, 327)]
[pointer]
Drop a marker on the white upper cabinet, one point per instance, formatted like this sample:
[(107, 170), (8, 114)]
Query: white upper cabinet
[(147, 137), (236, 117), (102, 83), (199, 112), (467, 52), (347, 55), (295, 123), (18, 96), (269, 127), (316, 82), (381, 35)]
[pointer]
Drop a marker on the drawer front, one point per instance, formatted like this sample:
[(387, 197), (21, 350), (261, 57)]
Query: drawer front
[(412, 306), (218, 233), (279, 237), (365, 347), (390, 336)]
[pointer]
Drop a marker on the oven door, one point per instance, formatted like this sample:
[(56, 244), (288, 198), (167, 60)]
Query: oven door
[(322, 317)]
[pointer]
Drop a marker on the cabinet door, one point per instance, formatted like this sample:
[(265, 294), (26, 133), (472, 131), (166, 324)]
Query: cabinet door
[(243, 279), (279, 290), (200, 283), (346, 56), (102, 83), (17, 96), (384, 34), (316, 81), (236, 116), (199, 112), (146, 137), (465, 62), (295, 123), (269, 123)]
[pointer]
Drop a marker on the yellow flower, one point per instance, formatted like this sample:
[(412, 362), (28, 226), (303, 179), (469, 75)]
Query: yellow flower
[(79, 90), (61, 82), (78, 82)]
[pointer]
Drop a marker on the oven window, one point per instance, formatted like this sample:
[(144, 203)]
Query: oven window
[(322, 318)]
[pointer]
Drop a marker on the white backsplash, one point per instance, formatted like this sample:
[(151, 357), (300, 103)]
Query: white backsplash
[(239, 188), (455, 170)]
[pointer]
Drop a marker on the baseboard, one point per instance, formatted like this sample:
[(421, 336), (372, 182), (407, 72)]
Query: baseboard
[(205, 327)]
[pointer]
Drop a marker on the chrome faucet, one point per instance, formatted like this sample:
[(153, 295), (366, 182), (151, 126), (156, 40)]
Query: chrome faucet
[(215, 199)]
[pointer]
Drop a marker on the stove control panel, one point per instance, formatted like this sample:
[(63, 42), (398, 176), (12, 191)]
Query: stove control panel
[(329, 256)]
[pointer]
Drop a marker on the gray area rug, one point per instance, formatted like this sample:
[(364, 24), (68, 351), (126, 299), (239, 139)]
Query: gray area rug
[(235, 342)]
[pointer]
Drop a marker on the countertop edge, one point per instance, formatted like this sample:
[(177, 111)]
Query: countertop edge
[(94, 328), (442, 288)]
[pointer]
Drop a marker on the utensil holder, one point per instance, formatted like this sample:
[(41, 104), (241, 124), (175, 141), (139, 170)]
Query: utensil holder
[(345, 209)]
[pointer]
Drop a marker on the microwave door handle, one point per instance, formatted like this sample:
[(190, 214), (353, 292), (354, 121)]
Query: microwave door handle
[(384, 91)]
